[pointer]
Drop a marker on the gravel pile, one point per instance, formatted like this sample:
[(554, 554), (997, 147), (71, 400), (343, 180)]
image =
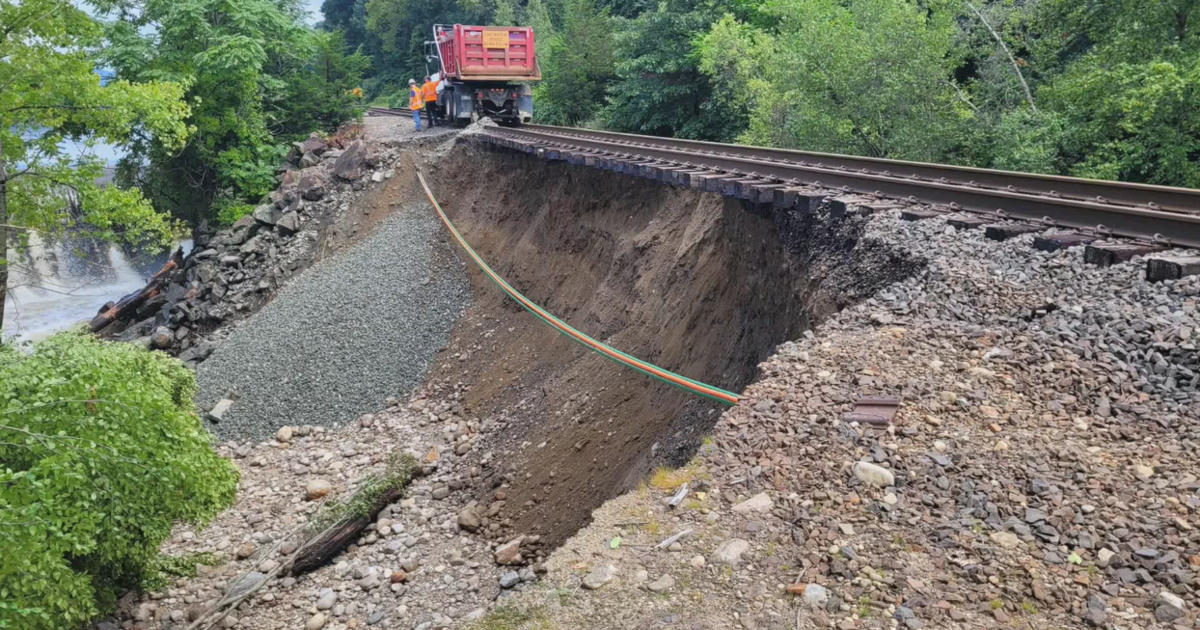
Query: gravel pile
[(344, 336)]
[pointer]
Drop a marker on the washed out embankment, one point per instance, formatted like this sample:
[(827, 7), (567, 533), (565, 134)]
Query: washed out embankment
[(695, 283)]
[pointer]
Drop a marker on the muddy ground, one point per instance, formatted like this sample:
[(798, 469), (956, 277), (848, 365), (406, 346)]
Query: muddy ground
[(698, 284)]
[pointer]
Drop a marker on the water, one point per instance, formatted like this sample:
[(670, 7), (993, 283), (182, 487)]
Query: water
[(60, 286)]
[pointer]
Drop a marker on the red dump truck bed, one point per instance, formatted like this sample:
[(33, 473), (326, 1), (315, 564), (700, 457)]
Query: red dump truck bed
[(488, 53)]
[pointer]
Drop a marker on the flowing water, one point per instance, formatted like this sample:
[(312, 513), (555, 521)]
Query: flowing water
[(53, 287)]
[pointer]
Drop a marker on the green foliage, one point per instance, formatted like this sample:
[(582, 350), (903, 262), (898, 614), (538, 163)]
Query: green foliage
[(863, 76), (399, 472), (660, 89), (228, 211), (162, 568), (101, 452), (257, 78), (50, 94), (577, 65)]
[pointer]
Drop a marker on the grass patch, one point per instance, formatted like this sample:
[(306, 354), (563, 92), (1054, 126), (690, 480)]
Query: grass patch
[(996, 604), (668, 479), (1029, 607), (512, 618), (166, 567)]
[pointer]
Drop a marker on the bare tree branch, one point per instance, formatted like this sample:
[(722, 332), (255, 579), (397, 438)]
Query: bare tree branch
[(1011, 59)]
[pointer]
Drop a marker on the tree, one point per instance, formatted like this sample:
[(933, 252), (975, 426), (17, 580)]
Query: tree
[(577, 65), (867, 77), (660, 89), (101, 452), (245, 64), (49, 93)]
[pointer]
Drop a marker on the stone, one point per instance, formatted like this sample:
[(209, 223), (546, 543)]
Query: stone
[(351, 163), (440, 492), (1007, 540), (599, 577), (245, 551), (196, 611), (377, 177), (398, 576), (816, 595), (309, 159), (872, 474), (267, 214), (326, 599), (730, 552), (1169, 607), (289, 223), (1104, 556), (375, 617), (663, 583), (760, 502), (317, 488), (244, 585), (1143, 472), (217, 413), (470, 519), (509, 552), (697, 562), (509, 579), (284, 434), (312, 185), (315, 622), (163, 338)]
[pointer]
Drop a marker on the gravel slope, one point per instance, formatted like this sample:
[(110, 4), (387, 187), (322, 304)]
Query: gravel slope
[(344, 336)]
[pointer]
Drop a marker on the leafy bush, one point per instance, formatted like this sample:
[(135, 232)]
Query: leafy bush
[(228, 212), (101, 451)]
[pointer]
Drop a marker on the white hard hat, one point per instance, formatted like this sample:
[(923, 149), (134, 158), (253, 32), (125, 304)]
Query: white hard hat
[(412, 81)]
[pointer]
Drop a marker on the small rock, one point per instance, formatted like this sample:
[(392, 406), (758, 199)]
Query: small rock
[(284, 434), (730, 552), (816, 595), (1104, 556), (1008, 540), (1169, 607), (661, 584), (217, 413), (245, 551), (872, 474), (470, 519), (317, 488), (599, 577), (327, 599), (315, 622), (1143, 472), (509, 552), (509, 579), (757, 503)]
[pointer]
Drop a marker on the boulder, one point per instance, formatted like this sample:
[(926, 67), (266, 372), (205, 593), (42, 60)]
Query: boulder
[(352, 164), (509, 552), (289, 223), (316, 489), (314, 144), (266, 213), (312, 184), (309, 159), (162, 338), (470, 519)]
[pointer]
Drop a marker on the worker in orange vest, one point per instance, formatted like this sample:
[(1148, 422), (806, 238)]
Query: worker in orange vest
[(430, 90), (416, 102)]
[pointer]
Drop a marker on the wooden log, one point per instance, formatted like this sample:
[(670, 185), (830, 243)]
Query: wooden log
[(133, 300), (331, 543)]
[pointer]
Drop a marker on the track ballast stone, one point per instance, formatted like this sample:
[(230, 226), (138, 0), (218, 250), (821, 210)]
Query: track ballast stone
[(344, 336)]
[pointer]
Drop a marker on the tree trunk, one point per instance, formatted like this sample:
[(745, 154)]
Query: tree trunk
[(332, 543), (1011, 59), (3, 234)]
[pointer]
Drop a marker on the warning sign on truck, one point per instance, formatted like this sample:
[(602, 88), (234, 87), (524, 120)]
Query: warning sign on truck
[(495, 39)]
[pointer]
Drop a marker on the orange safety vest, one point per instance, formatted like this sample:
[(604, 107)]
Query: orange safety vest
[(430, 89), (414, 99)]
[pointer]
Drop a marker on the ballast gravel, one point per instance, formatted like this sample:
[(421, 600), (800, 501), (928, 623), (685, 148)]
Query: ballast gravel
[(344, 336)]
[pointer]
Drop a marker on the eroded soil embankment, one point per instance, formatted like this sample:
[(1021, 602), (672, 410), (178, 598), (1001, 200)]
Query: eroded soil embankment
[(695, 283)]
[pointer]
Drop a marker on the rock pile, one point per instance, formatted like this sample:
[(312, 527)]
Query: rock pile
[(231, 273), (1041, 471)]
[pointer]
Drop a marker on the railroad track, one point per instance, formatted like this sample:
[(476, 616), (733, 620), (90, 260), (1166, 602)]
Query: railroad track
[(1152, 217), (389, 111)]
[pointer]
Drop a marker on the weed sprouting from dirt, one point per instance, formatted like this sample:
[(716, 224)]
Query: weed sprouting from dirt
[(512, 618)]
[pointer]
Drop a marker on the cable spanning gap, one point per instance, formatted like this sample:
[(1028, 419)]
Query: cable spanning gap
[(653, 371)]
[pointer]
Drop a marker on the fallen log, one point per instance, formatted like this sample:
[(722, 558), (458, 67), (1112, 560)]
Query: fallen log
[(355, 516), (133, 300)]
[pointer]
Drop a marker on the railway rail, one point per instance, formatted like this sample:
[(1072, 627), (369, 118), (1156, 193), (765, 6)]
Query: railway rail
[(1154, 217)]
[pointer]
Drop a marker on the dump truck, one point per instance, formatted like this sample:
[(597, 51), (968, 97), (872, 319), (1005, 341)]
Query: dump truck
[(485, 72)]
